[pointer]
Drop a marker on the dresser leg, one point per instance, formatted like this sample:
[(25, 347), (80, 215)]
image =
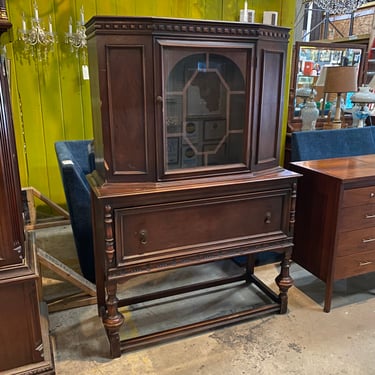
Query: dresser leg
[(113, 320), (284, 281), (328, 297)]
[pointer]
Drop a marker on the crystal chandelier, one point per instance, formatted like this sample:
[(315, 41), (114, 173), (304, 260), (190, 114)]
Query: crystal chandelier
[(37, 39), (77, 40), (339, 6)]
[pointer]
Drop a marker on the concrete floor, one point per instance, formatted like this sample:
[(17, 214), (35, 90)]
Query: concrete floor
[(304, 341)]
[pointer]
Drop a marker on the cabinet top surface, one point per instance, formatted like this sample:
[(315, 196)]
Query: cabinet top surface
[(346, 169), (131, 189)]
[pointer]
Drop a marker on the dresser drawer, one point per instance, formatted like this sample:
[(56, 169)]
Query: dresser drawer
[(357, 217), (358, 197), (356, 241), (355, 264), (170, 230)]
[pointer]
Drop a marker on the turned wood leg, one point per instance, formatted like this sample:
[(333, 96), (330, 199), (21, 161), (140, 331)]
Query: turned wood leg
[(113, 320), (284, 281)]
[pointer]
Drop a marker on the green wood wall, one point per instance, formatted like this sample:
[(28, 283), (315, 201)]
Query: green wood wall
[(51, 100)]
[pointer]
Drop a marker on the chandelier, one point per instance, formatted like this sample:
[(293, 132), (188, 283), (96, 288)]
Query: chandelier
[(36, 38), (339, 6)]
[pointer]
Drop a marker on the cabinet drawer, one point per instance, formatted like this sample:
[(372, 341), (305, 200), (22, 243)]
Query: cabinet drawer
[(175, 229), (356, 241), (358, 197), (355, 264), (357, 217)]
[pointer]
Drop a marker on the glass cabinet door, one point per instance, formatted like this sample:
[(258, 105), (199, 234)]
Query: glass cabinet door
[(205, 96)]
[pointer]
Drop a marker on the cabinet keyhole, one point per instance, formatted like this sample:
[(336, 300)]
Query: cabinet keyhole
[(143, 236), (268, 218)]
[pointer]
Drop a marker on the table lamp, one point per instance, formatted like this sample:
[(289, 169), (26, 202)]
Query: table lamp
[(339, 80), (362, 99)]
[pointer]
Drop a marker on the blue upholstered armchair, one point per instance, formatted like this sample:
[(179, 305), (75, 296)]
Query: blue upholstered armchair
[(324, 144), (75, 162)]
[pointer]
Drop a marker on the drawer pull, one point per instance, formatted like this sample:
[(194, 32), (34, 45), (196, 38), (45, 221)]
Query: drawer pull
[(372, 195), (370, 216), (365, 240), (143, 236), (268, 218), (365, 263)]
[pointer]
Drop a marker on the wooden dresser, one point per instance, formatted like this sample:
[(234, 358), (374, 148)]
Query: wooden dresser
[(335, 218), (187, 122)]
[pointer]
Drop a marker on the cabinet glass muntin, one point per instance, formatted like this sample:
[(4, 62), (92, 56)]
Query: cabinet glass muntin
[(204, 116)]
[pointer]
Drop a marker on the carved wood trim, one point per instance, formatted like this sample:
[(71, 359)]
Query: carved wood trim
[(150, 25), (108, 230), (292, 217)]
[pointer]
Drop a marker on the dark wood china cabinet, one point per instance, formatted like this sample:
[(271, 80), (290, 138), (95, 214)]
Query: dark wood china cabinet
[(187, 121), (23, 331)]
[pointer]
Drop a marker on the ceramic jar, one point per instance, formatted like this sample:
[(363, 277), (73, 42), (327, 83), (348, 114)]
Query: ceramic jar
[(309, 115)]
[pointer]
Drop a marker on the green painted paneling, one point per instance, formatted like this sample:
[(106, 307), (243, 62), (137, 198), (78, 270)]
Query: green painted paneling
[(108, 7), (51, 99), (231, 10), (180, 9), (213, 9)]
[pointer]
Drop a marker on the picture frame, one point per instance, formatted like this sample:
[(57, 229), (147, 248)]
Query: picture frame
[(173, 150), (336, 57), (325, 55)]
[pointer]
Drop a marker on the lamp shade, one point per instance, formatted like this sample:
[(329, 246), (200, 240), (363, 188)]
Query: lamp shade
[(341, 79)]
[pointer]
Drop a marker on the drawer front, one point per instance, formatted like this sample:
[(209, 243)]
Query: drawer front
[(170, 230), (356, 241), (358, 197), (357, 217), (355, 264)]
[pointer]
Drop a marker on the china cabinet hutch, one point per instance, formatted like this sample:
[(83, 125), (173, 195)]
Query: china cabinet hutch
[(187, 121), (23, 331)]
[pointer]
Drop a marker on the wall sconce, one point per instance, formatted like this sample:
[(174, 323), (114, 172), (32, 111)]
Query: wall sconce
[(77, 40), (37, 38), (339, 80)]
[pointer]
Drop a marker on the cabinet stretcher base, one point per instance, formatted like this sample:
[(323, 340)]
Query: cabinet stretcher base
[(278, 304)]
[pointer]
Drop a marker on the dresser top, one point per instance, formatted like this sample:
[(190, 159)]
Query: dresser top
[(346, 169)]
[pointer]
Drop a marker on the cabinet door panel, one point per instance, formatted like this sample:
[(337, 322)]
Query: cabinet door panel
[(126, 104), (11, 229), (268, 106), (20, 328)]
